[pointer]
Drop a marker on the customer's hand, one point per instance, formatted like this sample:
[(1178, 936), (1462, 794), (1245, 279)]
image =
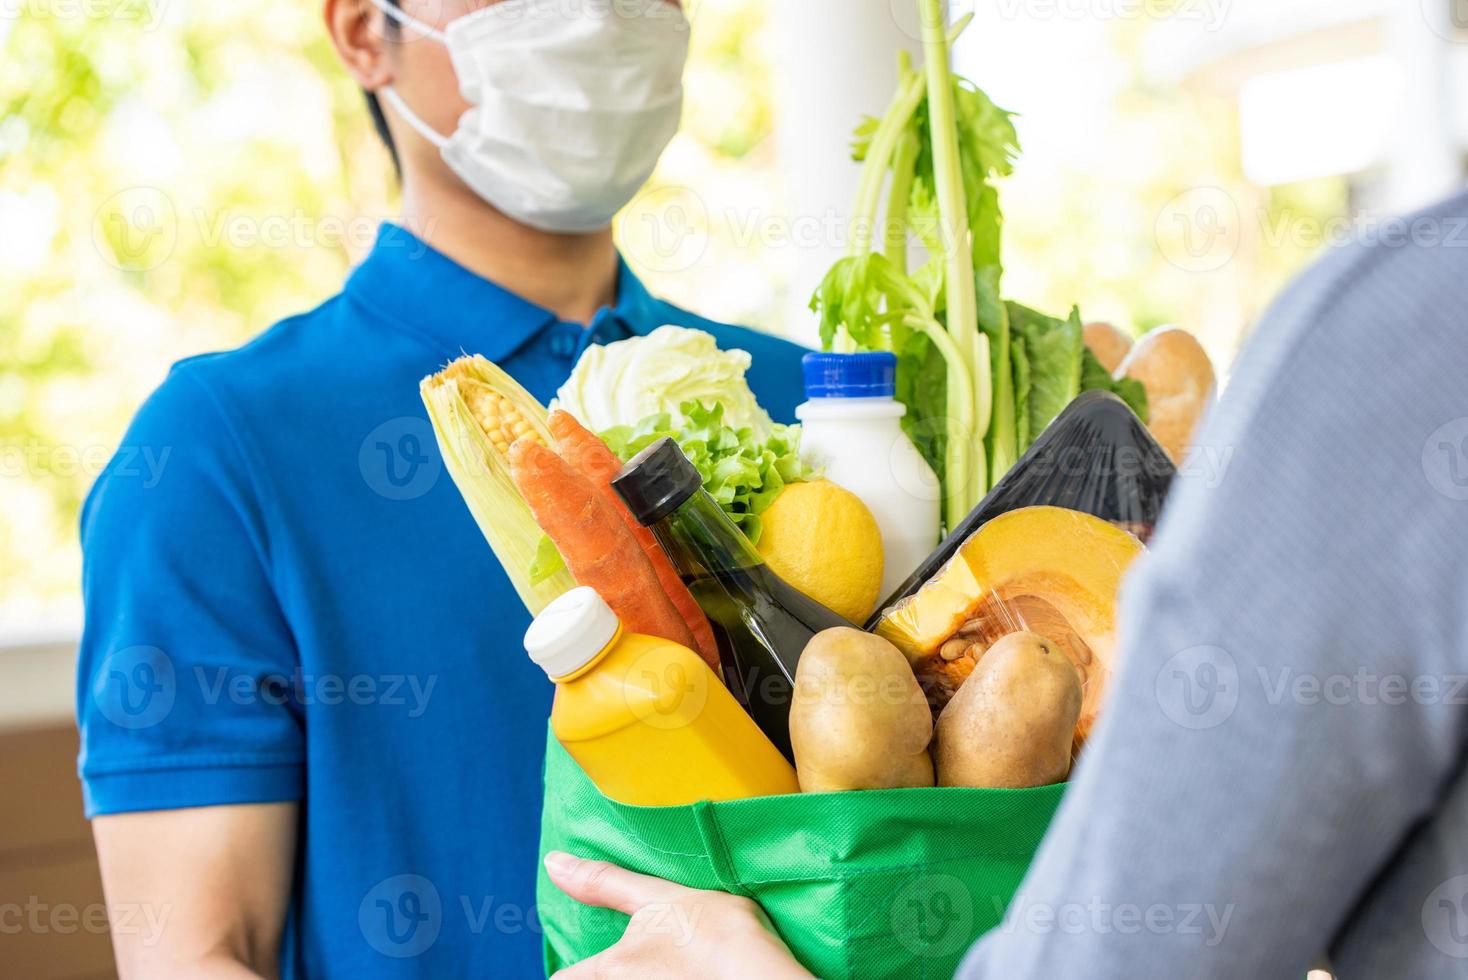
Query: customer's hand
[(675, 932)]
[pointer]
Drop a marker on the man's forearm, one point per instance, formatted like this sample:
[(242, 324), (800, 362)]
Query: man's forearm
[(217, 966), (219, 879)]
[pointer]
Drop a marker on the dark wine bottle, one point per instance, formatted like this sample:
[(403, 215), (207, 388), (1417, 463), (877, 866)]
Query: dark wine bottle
[(761, 622)]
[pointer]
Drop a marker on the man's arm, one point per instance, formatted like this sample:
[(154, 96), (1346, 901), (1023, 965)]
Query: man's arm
[(191, 788), (200, 892)]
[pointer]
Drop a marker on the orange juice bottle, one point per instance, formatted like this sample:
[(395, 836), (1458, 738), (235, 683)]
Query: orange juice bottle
[(644, 717)]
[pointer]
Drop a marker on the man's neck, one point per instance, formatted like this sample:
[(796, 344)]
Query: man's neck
[(573, 276)]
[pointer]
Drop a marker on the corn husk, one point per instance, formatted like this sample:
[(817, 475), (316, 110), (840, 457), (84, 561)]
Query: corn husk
[(482, 473)]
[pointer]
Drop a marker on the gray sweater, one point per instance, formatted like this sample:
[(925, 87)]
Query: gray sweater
[(1279, 773)]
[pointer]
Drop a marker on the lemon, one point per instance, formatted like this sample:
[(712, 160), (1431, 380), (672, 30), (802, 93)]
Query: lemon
[(823, 540)]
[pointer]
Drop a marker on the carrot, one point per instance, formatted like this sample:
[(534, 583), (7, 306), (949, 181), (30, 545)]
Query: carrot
[(590, 457), (598, 549)]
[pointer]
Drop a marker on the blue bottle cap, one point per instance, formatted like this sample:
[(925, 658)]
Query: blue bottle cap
[(870, 374)]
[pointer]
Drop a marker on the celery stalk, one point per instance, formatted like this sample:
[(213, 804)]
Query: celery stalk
[(868, 299), (879, 155), (962, 303), (1003, 436), (885, 142), (958, 455), (904, 159)]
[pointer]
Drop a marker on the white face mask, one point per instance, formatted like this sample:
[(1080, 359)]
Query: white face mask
[(571, 103)]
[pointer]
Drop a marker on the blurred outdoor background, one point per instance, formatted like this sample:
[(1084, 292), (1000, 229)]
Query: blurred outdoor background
[(176, 175)]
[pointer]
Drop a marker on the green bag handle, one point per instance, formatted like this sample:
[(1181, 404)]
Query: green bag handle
[(717, 848)]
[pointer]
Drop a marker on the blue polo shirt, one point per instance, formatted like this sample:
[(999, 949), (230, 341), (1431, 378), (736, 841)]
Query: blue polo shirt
[(287, 600)]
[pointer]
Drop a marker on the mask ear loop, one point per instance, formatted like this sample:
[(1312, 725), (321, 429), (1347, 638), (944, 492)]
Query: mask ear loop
[(407, 20), (391, 96)]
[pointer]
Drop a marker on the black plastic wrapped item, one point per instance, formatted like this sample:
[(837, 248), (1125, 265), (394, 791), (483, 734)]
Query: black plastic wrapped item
[(1096, 457)]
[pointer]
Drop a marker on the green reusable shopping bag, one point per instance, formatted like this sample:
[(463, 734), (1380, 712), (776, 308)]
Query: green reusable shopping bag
[(877, 883)]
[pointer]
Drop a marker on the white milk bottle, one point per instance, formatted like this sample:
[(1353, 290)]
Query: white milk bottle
[(852, 429)]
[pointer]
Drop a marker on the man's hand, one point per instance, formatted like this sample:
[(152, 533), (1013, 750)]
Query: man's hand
[(675, 932)]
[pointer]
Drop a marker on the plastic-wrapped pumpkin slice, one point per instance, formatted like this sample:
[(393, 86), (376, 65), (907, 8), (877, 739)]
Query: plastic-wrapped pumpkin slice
[(1045, 570)]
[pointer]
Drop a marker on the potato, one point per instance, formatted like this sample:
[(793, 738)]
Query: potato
[(859, 719), (1011, 723)]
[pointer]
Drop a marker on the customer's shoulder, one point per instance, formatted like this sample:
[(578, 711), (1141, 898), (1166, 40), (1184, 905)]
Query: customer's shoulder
[(1409, 268), (1385, 306)]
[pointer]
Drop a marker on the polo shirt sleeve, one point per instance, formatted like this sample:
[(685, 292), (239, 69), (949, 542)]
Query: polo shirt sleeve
[(185, 680)]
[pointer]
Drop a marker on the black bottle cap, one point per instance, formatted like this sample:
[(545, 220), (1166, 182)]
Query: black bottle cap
[(657, 481)]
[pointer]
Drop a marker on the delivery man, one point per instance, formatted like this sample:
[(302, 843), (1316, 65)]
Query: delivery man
[(1280, 773), (311, 742)]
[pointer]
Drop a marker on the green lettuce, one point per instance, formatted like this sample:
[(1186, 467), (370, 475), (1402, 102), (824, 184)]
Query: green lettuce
[(1051, 365), (1020, 361), (742, 469), (1052, 352), (1129, 390), (922, 385), (548, 561)]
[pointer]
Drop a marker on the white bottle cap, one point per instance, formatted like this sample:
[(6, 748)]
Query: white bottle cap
[(570, 631)]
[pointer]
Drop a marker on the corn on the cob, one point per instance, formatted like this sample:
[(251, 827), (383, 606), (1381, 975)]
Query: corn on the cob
[(501, 421), (477, 412)]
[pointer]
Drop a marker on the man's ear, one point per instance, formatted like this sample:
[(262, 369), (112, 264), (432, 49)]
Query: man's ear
[(359, 32)]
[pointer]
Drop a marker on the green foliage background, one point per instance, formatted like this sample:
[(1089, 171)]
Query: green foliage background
[(138, 139), (176, 175)]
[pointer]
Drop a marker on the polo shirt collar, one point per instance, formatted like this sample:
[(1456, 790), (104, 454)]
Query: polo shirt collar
[(636, 308), (429, 294)]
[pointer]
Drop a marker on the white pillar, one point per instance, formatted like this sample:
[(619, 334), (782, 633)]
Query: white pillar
[(835, 61), (1423, 158)]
